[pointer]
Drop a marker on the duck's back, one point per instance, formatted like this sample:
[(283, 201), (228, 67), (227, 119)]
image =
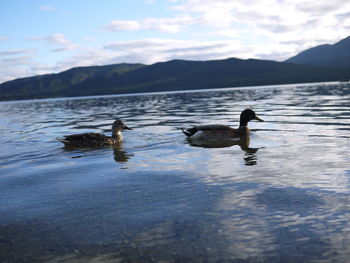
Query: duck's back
[(215, 131), (213, 127), (86, 140)]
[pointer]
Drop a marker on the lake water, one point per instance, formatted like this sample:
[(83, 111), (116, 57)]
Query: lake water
[(159, 198)]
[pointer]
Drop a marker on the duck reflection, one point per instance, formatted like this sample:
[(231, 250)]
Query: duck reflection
[(250, 158), (120, 155), (243, 142)]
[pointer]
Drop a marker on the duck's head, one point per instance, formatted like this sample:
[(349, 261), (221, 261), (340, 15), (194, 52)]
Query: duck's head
[(248, 115), (117, 127)]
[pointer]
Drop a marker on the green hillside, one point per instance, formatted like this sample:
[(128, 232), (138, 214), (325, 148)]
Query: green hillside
[(166, 76)]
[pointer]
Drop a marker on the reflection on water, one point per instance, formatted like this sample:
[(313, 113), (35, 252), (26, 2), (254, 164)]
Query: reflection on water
[(243, 142), (280, 195), (120, 155)]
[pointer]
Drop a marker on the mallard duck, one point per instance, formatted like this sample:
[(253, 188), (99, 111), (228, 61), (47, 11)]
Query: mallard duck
[(216, 131), (96, 139)]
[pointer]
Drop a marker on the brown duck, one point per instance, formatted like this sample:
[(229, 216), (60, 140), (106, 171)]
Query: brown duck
[(216, 131), (96, 139)]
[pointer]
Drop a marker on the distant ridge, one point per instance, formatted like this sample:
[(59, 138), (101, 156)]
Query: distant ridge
[(337, 55), (173, 75)]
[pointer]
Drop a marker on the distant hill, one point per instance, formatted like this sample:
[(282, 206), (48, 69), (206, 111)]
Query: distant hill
[(166, 76), (67, 83), (337, 55)]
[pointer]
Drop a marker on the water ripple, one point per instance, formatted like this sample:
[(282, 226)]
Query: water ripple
[(281, 196)]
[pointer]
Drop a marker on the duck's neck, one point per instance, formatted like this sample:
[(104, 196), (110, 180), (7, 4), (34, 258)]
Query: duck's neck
[(243, 123), (116, 134)]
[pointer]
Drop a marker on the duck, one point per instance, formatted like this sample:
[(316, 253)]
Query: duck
[(96, 139), (217, 131)]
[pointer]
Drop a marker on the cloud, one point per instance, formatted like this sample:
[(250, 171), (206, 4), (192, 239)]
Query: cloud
[(155, 50), (267, 21), (265, 14), (15, 63), (47, 8), (150, 51), (56, 40), (168, 24), (12, 67), (86, 57), (147, 51), (53, 39), (23, 64), (13, 52), (10, 61), (205, 29), (263, 22), (120, 25), (52, 9), (320, 7)]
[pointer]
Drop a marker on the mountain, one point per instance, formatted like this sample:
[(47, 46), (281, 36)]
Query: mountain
[(67, 83), (337, 55), (166, 76), (232, 72)]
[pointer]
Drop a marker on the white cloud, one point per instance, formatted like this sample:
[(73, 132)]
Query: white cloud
[(12, 52), (155, 50), (86, 57), (15, 67), (53, 39), (15, 63), (320, 7), (150, 51), (120, 25), (259, 22), (226, 33), (24, 65), (205, 29), (170, 25), (267, 22), (56, 40)]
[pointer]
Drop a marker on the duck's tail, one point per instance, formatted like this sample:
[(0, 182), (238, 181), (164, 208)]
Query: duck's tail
[(189, 132), (63, 140)]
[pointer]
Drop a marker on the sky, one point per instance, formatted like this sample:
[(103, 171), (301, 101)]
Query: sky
[(50, 36)]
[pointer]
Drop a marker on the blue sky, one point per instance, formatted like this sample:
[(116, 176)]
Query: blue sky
[(49, 36)]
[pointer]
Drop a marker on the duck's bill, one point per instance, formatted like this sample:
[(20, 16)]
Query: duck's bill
[(258, 119), (126, 128)]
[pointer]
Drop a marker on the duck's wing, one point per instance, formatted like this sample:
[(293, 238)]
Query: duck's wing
[(213, 127), (85, 139), (189, 131), (205, 128)]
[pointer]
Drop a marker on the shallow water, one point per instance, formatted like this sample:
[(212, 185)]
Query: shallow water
[(157, 197)]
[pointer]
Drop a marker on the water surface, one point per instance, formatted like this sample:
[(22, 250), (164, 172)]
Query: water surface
[(157, 197)]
